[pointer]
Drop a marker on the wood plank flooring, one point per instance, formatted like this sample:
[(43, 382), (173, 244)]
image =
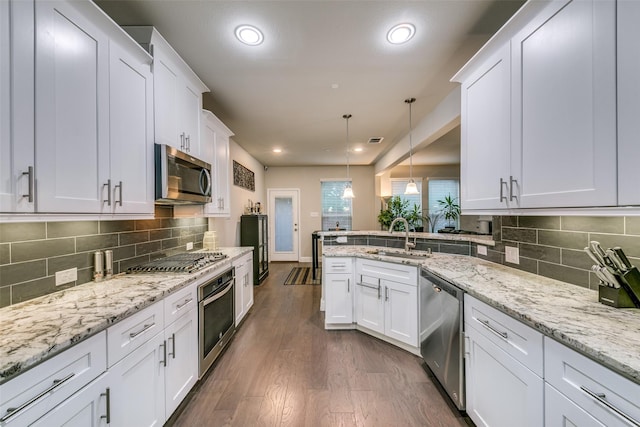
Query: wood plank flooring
[(283, 369)]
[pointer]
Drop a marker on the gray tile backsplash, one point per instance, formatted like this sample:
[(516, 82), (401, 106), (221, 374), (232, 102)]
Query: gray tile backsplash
[(552, 246), (31, 253)]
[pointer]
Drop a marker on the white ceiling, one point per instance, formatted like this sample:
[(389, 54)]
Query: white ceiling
[(280, 94)]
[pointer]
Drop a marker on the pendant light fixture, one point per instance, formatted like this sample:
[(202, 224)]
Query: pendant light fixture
[(348, 191), (412, 188)]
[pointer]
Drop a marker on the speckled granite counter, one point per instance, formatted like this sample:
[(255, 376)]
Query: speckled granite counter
[(37, 329), (475, 238), (568, 313)]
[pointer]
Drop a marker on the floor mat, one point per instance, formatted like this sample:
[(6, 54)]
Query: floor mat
[(303, 276)]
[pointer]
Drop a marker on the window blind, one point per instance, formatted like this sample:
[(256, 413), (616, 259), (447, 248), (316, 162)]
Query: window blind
[(397, 189), (336, 211), (438, 190)]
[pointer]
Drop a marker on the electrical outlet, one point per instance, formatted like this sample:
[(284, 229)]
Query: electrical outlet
[(341, 239), (512, 254), (482, 250), (189, 246), (66, 276)]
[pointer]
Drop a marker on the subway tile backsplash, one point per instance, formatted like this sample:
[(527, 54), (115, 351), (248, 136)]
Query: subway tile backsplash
[(552, 246), (31, 253)]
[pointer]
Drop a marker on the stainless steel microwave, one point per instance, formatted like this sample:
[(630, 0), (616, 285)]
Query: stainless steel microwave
[(180, 177)]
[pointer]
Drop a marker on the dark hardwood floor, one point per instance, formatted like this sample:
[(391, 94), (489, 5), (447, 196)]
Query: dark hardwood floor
[(283, 369)]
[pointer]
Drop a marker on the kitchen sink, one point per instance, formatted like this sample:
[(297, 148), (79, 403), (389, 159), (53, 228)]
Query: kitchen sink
[(406, 255)]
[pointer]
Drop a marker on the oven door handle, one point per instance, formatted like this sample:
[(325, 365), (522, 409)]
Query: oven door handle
[(218, 295)]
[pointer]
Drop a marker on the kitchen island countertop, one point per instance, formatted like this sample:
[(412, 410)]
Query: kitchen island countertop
[(34, 330), (568, 313)]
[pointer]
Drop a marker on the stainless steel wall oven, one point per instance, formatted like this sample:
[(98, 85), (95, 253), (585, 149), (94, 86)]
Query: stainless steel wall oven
[(215, 317)]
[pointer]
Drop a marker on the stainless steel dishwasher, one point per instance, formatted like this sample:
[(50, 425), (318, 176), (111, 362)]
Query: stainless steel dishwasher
[(441, 335)]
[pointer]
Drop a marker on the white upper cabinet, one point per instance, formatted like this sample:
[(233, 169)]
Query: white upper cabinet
[(556, 62), (215, 150), (628, 102), (131, 132), (485, 139), (564, 106), (72, 109), (17, 172), (178, 92)]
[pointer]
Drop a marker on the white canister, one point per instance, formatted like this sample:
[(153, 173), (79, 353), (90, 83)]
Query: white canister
[(210, 241)]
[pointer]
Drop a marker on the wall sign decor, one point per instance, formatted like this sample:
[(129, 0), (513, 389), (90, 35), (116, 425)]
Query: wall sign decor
[(243, 177)]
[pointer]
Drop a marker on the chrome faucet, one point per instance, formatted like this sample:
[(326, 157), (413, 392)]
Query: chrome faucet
[(407, 245)]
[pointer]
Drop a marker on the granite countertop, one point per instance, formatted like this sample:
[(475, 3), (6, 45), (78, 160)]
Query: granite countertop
[(568, 313), (475, 238), (37, 329)]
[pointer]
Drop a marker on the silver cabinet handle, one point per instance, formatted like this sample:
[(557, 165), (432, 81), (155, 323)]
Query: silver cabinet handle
[(146, 327), (107, 416), (502, 184), (164, 351), (601, 398), (119, 187), (173, 346), (364, 285), (512, 181), (11, 412), (492, 329), (386, 293), (180, 306), (188, 141), (108, 185), (182, 144), (29, 194)]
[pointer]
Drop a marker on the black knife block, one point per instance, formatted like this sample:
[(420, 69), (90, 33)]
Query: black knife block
[(614, 297), (631, 284)]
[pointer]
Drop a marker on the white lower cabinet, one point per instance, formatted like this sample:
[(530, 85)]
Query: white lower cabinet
[(593, 395), (369, 305), (338, 292), (137, 386), (243, 286), (501, 358)]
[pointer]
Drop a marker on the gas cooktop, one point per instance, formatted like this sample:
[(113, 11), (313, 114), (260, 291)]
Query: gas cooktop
[(179, 263)]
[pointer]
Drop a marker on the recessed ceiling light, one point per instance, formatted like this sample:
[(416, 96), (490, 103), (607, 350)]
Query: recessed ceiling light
[(277, 150), (249, 35), (401, 33), (357, 149)]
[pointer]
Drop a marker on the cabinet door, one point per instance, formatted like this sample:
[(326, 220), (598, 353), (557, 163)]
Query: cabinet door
[(240, 286), (222, 174), (500, 390), (166, 101), (560, 411), (87, 408), (564, 106), (208, 154), (248, 292), (369, 303), (628, 102), (339, 298), (16, 106), (137, 386), (401, 312), (182, 359), (485, 139), (72, 110), (131, 134), (190, 116)]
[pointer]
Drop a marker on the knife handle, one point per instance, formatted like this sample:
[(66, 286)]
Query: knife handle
[(619, 265), (623, 257), (594, 257)]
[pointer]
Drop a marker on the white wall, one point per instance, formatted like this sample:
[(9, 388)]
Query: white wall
[(307, 179), (228, 229)]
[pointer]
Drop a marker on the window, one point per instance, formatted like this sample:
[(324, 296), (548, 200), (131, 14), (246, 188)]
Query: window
[(397, 189), (336, 211), (438, 190)]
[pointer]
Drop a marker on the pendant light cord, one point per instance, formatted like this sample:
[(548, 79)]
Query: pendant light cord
[(410, 101), (347, 117)]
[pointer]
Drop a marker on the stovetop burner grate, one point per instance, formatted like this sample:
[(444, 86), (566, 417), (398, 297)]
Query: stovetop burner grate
[(179, 263)]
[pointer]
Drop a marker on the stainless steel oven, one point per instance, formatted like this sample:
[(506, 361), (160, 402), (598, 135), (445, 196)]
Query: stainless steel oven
[(216, 323)]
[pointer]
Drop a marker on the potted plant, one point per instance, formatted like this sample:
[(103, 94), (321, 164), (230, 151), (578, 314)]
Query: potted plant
[(416, 220), (395, 208), (450, 209)]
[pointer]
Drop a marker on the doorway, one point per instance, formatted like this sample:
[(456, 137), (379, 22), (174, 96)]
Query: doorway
[(284, 213)]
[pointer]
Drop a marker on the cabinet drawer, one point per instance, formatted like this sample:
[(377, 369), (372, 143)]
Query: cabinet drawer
[(51, 382), (604, 394), (520, 341), (132, 332), (178, 303), (399, 273), (337, 265)]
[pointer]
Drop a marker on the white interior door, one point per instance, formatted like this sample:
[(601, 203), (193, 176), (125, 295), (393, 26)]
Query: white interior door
[(284, 213)]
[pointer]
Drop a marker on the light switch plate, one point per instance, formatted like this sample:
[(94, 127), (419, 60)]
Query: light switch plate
[(482, 250), (189, 246), (512, 254), (66, 276)]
